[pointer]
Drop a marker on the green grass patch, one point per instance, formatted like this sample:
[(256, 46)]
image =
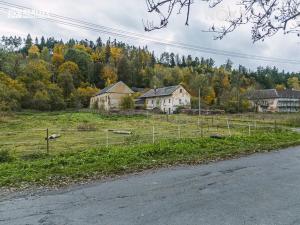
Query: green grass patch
[(100, 162)]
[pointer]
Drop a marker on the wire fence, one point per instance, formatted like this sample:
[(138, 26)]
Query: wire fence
[(151, 130)]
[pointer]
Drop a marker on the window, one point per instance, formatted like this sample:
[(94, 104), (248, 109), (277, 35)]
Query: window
[(180, 90), (169, 100), (152, 102), (179, 101)]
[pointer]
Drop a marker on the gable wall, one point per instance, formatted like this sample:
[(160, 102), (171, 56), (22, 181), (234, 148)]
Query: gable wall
[(170, 103), (121, 88), (111, 99)]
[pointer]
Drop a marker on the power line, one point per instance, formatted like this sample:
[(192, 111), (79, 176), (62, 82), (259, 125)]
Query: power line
[(55, 18), (111, 31)]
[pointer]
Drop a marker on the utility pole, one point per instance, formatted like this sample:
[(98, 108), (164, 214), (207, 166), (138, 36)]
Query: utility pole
[(238, 94)]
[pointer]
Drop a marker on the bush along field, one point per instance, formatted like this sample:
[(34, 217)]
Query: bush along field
[(131, 146)]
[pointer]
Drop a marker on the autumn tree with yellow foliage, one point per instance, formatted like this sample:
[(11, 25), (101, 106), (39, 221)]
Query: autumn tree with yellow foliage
[(51, 74)]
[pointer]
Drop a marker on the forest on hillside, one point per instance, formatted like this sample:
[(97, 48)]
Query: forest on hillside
[(50, 74)]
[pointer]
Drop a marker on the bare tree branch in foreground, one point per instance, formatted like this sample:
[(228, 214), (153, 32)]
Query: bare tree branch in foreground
[(266, 17)]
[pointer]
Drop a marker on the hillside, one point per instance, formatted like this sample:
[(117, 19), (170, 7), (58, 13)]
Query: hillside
[(48, 74)]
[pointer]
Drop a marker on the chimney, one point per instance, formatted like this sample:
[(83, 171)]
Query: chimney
[(155, 89)]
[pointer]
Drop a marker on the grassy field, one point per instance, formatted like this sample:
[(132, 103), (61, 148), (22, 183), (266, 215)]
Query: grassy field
[(89, 149), (24, 133)]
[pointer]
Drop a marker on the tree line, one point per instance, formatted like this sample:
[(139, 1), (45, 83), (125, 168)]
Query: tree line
[(50, 74)]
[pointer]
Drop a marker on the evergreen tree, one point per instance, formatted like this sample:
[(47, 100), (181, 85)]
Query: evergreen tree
[(99, 42), (28, 43), (183, 63), (43, 42), (172, 60), (107, 52)]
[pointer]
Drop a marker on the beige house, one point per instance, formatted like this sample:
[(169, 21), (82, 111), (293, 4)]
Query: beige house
[(110, 97), (271, 100), (167, 99)]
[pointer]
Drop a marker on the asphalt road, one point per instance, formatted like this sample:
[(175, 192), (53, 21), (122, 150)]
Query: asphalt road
[(262, 189)]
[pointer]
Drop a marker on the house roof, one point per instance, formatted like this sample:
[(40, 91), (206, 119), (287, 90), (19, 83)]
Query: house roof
[(273, 93), (289, 93), (263, 94), (110, 87), (139, 101), (164, 91)]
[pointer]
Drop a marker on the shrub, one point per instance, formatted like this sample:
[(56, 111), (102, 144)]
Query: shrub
[(82, 96), (11, 93), (178, 109), (127, 102), (294, 121), (5, 156)]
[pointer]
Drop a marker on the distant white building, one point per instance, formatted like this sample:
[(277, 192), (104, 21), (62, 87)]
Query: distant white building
[(271, 100), (110, 97), (167, 99)]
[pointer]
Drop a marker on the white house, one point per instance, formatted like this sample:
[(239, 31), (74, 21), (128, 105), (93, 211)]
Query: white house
[(271, 100), (167, 99), (110, 97)]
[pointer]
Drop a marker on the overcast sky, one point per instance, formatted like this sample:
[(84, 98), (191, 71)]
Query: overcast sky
[(128, 15)]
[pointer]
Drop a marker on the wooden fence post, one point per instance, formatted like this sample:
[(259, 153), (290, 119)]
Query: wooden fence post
[(201, 129), (106, 138), (47, 139), (228, 127), (153, 135), (249, 129)]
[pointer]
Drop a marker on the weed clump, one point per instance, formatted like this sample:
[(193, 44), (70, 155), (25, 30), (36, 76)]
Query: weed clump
[(34, 156), (86, 127), (5, 156)]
